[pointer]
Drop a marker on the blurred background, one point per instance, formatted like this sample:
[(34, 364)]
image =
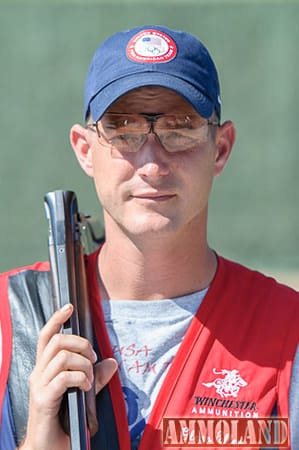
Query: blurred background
[(45, 49)]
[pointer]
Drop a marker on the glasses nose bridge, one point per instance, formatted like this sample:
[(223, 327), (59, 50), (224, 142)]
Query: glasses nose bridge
[(151, 121)]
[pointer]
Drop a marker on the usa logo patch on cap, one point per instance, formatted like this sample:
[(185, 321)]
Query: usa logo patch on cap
[(151, 46)]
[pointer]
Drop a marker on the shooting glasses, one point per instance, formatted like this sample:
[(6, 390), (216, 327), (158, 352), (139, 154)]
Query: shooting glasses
[(128, 132)]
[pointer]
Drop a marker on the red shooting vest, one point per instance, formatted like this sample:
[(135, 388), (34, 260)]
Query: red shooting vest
[(235, 359), (6, 324)]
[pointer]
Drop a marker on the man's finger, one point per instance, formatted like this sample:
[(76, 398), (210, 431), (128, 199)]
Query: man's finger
[(53, 326), (104, 372)]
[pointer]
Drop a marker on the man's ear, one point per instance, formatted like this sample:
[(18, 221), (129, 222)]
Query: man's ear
[(81, 142), (225, 139)]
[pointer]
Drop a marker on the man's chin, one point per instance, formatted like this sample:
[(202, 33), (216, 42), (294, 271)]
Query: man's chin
[(162, 228)]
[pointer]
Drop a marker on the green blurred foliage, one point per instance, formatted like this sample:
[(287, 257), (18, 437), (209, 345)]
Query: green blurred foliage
[(45, 51)]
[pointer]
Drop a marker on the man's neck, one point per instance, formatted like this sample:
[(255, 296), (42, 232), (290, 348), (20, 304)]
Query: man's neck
[(156, 268)]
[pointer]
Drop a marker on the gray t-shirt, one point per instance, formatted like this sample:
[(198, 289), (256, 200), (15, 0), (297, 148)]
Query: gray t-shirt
[(145, 336)]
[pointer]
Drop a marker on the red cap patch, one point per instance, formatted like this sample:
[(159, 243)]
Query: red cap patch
[(151, 46)]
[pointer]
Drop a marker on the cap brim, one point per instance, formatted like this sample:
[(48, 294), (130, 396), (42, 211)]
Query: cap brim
[(107, 96)]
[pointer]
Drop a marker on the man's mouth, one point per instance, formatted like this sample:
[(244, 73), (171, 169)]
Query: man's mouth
[(154, 196)]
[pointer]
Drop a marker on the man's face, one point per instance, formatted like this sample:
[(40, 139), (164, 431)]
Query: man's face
[(154, 192)]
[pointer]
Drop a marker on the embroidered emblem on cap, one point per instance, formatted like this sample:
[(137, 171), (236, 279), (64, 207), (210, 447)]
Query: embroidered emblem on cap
[(151, 46)]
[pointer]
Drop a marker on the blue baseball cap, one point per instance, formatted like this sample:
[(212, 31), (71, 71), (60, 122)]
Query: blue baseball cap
[(152, 56)]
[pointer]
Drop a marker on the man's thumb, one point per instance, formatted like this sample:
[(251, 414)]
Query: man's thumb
[(103, 372)]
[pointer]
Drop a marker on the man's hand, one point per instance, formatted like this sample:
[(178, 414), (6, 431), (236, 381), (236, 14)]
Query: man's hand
[(62, 361)]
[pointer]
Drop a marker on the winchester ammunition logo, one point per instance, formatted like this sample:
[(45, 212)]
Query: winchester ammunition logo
[(228, 384), (215, 406)]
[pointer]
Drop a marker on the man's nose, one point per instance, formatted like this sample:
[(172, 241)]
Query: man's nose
[(152, 160)]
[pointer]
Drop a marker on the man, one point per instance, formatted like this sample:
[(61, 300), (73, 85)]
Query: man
[(193, 334)]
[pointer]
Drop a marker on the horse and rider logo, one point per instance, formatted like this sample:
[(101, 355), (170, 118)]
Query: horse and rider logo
[(228, 384)]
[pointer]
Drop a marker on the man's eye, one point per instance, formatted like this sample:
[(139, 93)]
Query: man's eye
[(116, 125), (177, 123)]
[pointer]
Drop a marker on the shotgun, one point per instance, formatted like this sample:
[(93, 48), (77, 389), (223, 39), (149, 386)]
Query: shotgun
[(78, 416)]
